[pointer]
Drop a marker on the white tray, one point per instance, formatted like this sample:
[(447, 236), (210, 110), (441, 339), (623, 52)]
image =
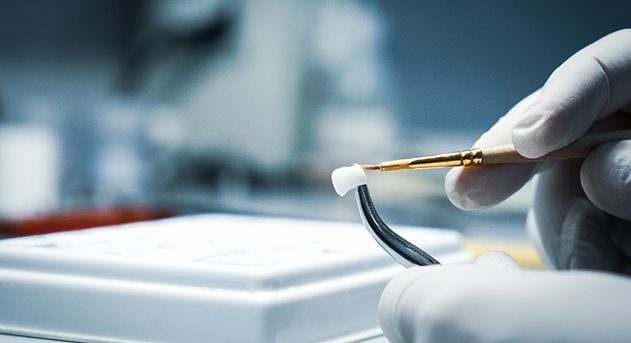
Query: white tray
[(210, 278)]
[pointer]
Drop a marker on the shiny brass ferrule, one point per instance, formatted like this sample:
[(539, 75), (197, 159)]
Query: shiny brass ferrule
[(471, 157)]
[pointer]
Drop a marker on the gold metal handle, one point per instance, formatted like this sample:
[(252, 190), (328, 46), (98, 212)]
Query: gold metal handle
[(453, 159)]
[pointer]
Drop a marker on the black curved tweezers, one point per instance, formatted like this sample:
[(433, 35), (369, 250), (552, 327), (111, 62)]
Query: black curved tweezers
[(399, 248)]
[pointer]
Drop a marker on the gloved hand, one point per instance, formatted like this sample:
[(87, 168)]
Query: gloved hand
[(578, 221), (494, 301), (580, 207)]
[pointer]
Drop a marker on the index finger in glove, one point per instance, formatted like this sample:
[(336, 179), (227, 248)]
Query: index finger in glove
[(591, 84), (477, 188)]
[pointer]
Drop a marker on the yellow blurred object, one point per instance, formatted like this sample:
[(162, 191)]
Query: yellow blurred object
[(524, 253)]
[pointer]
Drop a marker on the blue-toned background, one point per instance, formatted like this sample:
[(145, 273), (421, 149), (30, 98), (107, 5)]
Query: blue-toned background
[(467, 62), (247, 106)]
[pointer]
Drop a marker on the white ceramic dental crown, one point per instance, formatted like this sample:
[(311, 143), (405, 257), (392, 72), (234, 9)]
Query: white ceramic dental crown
[(346, 178)]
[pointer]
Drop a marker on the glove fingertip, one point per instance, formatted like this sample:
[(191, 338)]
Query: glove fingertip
[(457, 188), (530, 139), (471, 188), (499, 260)]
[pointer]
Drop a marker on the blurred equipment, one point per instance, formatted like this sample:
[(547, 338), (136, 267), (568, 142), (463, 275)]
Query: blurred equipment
[(29, 170), (349, 85), (203, 278), (231, 69)]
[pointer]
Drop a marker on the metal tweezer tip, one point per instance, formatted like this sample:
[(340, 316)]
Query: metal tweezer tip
[(398, 247)]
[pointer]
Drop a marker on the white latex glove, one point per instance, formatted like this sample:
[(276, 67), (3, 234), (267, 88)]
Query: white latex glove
[(578, 219), (580, 211), (485, 302)]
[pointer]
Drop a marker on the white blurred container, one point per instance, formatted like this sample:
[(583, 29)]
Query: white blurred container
[(210, 278), (29, 170)]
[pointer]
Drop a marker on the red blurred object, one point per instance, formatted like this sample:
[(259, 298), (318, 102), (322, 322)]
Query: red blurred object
[(79, 219)]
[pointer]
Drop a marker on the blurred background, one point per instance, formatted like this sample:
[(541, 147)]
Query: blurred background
[(114, 111)]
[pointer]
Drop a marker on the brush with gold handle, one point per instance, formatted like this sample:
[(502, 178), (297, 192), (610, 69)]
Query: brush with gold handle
[(505, 154)]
